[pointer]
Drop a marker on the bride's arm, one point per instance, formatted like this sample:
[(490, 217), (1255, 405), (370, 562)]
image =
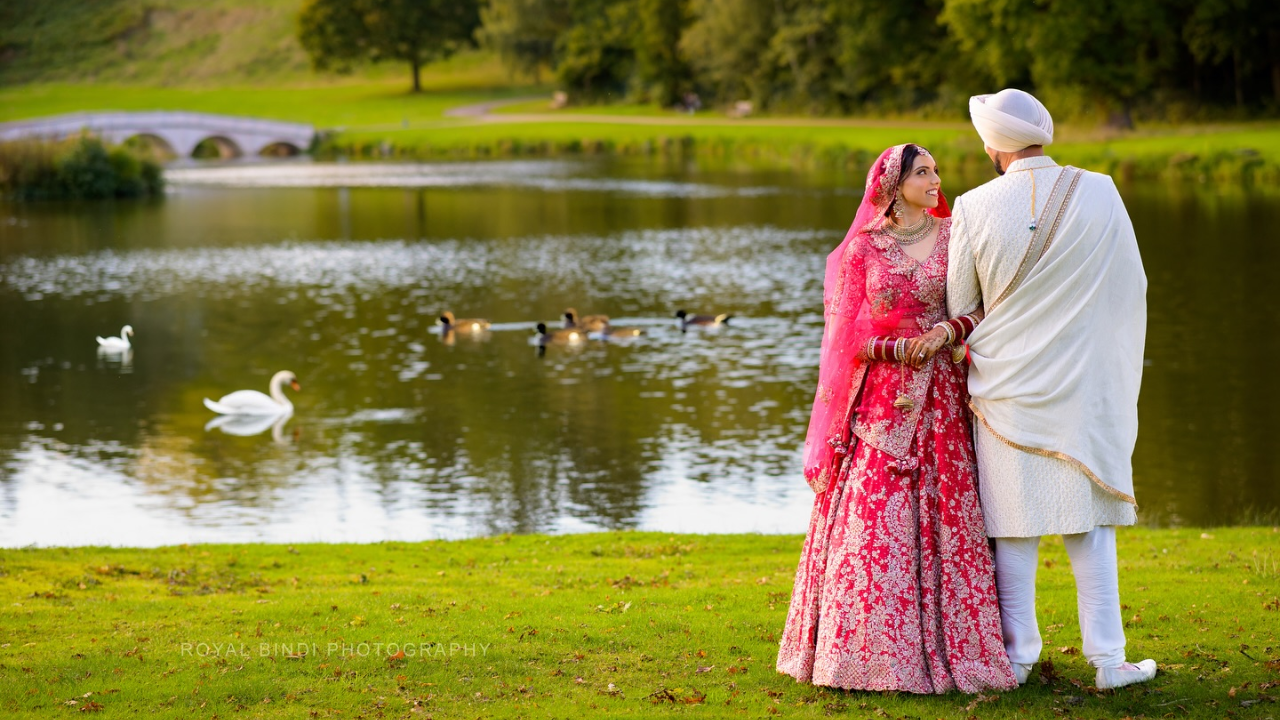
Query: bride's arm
[(951, 332)]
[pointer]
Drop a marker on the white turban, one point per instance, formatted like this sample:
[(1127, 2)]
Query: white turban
[(1011, 120)]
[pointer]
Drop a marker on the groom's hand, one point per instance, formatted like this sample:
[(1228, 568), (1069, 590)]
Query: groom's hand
[(921, 349)]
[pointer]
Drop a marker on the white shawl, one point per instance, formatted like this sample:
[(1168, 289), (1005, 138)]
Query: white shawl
[(1058, 364)]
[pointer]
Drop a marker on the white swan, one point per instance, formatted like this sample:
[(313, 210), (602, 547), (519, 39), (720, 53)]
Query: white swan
[(252, 402), (116, 344)]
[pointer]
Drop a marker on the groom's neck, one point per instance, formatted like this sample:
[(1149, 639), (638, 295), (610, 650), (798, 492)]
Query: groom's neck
[(1005, 159)]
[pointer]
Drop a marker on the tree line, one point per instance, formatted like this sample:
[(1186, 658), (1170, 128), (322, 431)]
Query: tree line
[(1113, 59)]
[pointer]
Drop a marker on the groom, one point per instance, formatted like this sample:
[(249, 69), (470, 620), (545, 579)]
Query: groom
[(1050, 255)]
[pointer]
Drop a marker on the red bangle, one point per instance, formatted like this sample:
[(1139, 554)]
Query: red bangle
[(880, 348), (962, 326)]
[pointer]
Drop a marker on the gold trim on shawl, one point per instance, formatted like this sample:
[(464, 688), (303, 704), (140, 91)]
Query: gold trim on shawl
[(1053, 454), (1042, 238), (1053, 231)]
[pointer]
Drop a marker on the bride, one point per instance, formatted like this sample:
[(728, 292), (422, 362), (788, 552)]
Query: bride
[(895, 588)]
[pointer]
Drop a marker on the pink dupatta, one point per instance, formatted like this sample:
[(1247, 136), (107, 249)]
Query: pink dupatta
[(848, 324)]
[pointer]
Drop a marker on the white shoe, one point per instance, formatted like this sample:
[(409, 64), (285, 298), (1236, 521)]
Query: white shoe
[(1126, 674), (1022, 671)]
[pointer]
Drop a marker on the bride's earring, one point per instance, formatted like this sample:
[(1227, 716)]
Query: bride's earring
[(898, 208)]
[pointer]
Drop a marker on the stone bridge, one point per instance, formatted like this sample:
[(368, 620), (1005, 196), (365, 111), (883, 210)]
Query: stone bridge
[(181, 132)]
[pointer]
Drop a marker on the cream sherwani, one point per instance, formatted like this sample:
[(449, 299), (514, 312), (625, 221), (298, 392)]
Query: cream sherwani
[(1054, 384), (1027, 494)]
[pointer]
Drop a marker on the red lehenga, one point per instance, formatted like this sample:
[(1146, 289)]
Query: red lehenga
[(895, 589)]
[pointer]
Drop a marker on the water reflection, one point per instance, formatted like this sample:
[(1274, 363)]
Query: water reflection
[(551, 176), (403, 431), (119, 360), (249, 425)]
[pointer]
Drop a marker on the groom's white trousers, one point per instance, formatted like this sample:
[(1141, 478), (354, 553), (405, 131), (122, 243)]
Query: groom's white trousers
[(1093, 559)]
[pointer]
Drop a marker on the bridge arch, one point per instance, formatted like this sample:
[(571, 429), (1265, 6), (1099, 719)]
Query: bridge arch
[(217, 147), (153, 143), (280, 148)]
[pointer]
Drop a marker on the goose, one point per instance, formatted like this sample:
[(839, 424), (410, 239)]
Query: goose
[(252, 402), (701, 320), (116, 344), (590, 323), (466, 325), (559, 337)]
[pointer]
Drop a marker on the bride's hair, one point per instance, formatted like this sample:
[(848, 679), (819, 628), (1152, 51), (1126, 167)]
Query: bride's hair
[(909, 155)]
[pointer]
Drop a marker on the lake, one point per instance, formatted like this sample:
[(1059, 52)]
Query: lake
[(338, 272)]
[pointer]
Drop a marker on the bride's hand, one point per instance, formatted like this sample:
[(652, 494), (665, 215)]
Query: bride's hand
[(922, 349)]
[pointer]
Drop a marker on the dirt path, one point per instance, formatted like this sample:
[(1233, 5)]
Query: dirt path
[(483, 112), (707, 121), (483, 109)]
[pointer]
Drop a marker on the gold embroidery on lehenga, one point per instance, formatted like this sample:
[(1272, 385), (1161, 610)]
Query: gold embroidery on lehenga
[(892, 434)]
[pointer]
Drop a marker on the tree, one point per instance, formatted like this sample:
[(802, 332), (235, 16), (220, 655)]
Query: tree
[(803, 55), (596, 55), (1218, 30), (661, 68), (524, 32), (926, 64), (724, 44), (1112, 51), (333, 33), (336, 33)]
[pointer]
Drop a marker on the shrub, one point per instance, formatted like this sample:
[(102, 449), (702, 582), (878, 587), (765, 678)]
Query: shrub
[(81, 168)]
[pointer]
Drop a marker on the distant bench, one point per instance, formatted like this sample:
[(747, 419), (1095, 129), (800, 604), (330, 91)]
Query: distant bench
[(180, 132)]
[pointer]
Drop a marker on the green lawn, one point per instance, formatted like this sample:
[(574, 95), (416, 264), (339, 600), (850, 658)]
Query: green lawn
[(379, 118), (723, 138), (601, 625), (385, 104)]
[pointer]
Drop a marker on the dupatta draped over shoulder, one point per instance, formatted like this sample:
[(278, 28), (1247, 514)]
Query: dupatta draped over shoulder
[(850, 322), (1057, 362)]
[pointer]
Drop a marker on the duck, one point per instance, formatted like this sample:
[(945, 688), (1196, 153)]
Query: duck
[(116, 344), (252, 402), (466, 325), (701, 320), (567, 336), (590, 323)]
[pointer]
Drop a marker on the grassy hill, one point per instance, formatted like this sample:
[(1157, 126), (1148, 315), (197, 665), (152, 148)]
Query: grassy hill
[(164, 42), (186, 43)]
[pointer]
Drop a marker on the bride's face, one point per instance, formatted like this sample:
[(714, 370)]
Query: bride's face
[(921, 186)]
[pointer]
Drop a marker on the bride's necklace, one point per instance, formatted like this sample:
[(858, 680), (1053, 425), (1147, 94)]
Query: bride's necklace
[(912, 234)]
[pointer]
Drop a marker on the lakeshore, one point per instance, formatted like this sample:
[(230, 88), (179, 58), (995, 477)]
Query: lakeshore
[(618, 624), (377, 120)]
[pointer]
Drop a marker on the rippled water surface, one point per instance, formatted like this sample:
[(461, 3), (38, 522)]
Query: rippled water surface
[(337, 272)]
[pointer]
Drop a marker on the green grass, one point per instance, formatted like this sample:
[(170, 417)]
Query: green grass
[(385, 103), (602, 625), (379, 118), (1229, 154), (787, 145)]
